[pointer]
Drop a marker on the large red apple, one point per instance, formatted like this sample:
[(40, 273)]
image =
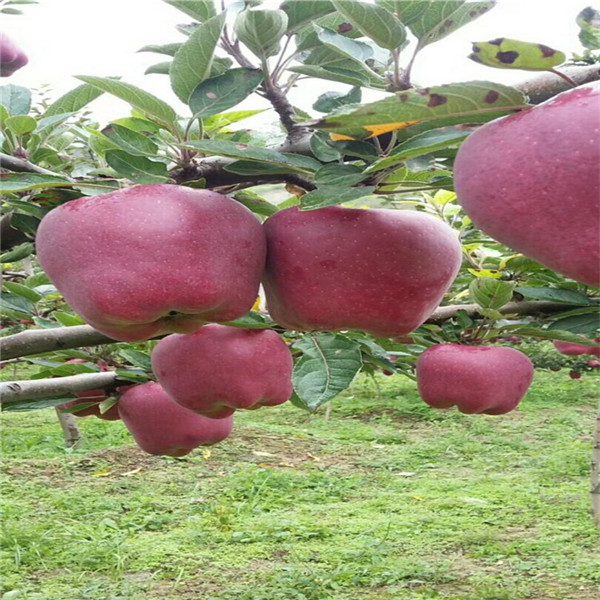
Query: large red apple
[(12, 58), (381, 271), (531, 181), (163, 427), (153, 259), (573, 349), (476, 379), (220, 369)]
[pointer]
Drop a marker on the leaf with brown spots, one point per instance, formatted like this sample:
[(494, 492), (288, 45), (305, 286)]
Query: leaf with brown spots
[(413, 112), (505, 53)]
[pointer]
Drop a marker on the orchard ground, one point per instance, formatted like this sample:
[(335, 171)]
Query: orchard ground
[(386, 500)]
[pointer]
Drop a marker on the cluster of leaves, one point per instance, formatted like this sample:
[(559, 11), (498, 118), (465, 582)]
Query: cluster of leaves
[(391, 152)]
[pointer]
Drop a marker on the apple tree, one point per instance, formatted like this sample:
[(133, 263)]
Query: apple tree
[(171, 267)]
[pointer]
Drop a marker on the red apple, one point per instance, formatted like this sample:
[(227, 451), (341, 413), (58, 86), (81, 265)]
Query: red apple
[(163, 427), (153, 259), (475, 379), (530, 181), (576, 349), (574, 374), (380, 271), (219, 369), (593, 364), (12, 58)]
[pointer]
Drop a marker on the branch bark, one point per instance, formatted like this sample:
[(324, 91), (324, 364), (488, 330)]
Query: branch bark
[(39, 341), (11, 391), (70, 428)]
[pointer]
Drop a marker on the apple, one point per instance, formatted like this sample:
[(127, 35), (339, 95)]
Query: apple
[(153, 259), (573, 349), (593, 364), (381, 271), (161, 426), (12, 58), (219, 369), (574, 374), (530, 181), (475, 379)]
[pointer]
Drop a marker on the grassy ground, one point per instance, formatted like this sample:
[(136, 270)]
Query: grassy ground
[(388, 500)]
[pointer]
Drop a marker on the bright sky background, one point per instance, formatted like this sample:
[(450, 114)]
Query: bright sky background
[(64, 38)]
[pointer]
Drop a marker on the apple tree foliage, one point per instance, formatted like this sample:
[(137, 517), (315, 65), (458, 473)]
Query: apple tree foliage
[(393, 152)]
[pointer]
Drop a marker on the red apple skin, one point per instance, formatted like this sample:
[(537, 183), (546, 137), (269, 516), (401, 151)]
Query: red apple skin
[(577, 349), (530, 181), (161, 426), (12, 58), (475, 379), (380, 271), (574, 374), (153, 259), (219, 369)]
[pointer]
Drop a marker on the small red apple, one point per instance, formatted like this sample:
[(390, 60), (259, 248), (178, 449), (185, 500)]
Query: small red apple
[(219, 369), (161, 426), (12, 58), (153, 259), (574, 374), (593, 364), (530, 181), (380, 271), (573, 349), (475, 379)]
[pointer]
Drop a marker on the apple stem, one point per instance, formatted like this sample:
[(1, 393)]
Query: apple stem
[(564, 76), (595, 472)]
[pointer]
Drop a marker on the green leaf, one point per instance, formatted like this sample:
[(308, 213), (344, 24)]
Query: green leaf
[(322, 149), (23, 405), (565, 334), (338, 175), (587, 323), (21, 125), (66, 319), (349, 75), (330, 195), (216, 122), (327, 367), (432, 21), (353, 50), (16, 99), (148, 104), (36, 280), (329, 101), (554, 295), (137, 168), (161, 68), (74, 100), (505, 53), (257, 204), (136, 358), (26, 223), (374, 21), (22, 290), (130, 141), (167, 49), (589, 23), (16, 304), (17, 253), (414, 111), (217, 94), (423, 143), (192, 63), (201, 10), (491, 293), (261, 30), (303, 12), (251, 320), (139, 125), (294, 162), (23, 182)]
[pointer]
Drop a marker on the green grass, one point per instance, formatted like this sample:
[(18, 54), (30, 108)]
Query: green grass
[(387, 500)]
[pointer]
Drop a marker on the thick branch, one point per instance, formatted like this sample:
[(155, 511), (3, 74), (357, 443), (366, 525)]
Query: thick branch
[(35, 389), (524, 308), (20, 165), (38, 341)]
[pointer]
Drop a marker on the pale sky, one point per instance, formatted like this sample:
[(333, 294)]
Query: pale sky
[(64, 38)]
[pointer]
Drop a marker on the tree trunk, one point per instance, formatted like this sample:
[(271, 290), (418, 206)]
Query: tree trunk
[(70, 428), (595, 478)]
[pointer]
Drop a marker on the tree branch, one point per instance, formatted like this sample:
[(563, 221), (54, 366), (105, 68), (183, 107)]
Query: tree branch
[(39, 341), (11, 391)]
